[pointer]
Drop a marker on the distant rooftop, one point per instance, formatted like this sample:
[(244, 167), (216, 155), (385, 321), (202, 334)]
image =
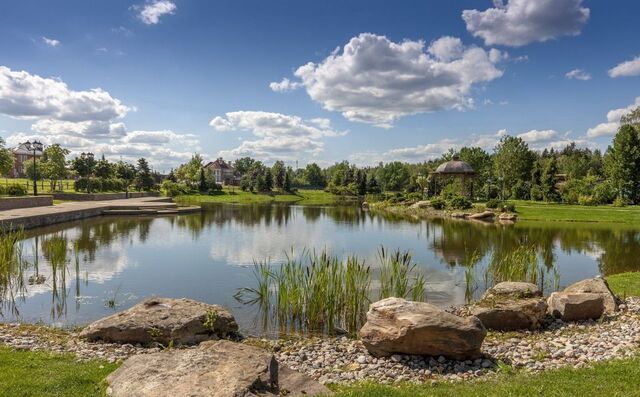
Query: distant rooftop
[(455, 167)]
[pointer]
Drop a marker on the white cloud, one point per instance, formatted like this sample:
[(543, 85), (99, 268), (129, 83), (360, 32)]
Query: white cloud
[(520, 22), (610, 127), (375, 80), (628, 68), (50, 42), (280, 136), (90, 128), (534, 136), (25, 95), (151, 12), (284, 85), (578, 74)]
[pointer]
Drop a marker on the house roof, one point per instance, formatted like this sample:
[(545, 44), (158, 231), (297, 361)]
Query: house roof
[(219, 163), (21, 149)]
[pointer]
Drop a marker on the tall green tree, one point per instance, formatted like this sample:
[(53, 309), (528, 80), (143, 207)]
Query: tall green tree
[(84, 165), (55, 164), (144, 180), (393, 176), (103, 169), (622, 164), (126, 172), (314, 176), (6, 159), (512, 162), (243, 165), (549, 181), (278, 172), (190, 171)]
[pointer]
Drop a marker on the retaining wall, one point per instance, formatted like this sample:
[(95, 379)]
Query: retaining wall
[(11, 203), (102, 196)]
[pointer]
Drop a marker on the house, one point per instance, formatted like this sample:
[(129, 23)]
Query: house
[(223, 172), (20, 157)]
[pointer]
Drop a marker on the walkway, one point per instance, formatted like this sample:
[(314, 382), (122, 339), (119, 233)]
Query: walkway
[(28, 218)]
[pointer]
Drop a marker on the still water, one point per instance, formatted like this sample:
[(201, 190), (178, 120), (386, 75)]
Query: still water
[(113, 263)]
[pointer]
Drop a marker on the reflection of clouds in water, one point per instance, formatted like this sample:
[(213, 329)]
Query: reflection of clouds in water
[(595, 252)]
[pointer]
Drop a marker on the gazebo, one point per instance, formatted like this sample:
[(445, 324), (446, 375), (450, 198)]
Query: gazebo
[(455, 169)]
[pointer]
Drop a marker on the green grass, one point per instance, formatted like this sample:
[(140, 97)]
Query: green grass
[(67, 184), (42, 374), (625, 284), (614, 378), (538, 211), (237, 196)]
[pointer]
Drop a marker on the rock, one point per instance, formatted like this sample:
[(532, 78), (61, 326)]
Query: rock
[(597, 285), (505, 216), (513, 289), (459, 215), (482, 215), (183, 321), (571, 306), (215, 368), (395, 325), (511, 314), (421, 204)]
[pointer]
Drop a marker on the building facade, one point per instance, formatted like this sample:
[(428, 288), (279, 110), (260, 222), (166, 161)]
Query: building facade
[(20, 158), (223, 172)]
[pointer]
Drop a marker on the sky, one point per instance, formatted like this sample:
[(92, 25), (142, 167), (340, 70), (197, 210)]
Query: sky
[(314, 81)]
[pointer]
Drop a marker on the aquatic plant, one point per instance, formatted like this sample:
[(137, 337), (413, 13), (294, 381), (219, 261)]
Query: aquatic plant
[(520, 264), (320, 293), (12, 266)]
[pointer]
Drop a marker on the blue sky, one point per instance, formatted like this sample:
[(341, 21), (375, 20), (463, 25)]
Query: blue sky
[(383, 81)]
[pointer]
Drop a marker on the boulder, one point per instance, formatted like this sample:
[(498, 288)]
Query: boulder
[(508, 217), (511, 314), (570, 306), (510, 306), (513, 289), (395, 325), (164, 320), (459, 215), (596, 285), (482, 215), (215, 368)]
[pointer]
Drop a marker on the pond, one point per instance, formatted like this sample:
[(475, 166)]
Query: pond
[(112, 263)]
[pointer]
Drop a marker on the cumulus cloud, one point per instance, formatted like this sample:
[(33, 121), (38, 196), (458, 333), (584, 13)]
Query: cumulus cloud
[(25, 95), (151, 12), (284, 85), (520, 22), (280, 136), (538, 136), (610, 127), (628, 68), (375, 80), (50, 42), (578, 74)]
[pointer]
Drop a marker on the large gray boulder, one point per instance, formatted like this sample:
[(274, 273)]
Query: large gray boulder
[(214, 368), (570, 306), (395, 325), (510, 306), (164, 320), (599, 286), (484, 215)]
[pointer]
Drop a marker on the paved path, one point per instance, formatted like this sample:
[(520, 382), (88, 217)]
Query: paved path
[(42, 216)]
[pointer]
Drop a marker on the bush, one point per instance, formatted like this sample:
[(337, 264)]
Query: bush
[(493, 204), (459, 203), (604, 193), (172, 189), (509, 207), (438, 203), (586, 200), (521, 190), (16, 190), (619, 202), (536, 193)]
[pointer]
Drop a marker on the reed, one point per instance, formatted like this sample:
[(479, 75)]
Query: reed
[(398, 276), (12, 265), (55, 251), (521, 264), (320, 293)]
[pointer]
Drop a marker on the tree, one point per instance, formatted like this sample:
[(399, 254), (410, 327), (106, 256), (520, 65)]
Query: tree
[(84, 165), (103, 169), (278, 171), (268, 180), (393, 176), (632, 118), (243, 165), (55, 165), (313, 175), (126, 172), (202, 185), (190, 171), (39, 171), (172, 176), (549, 181), (512, 161), (622, 164), (6, 159), (361, 182), (373, 187), (286, 185), (144, 179)]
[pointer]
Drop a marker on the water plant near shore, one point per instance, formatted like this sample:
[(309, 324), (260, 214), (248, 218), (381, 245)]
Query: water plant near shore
[(320, 293), (12, 265)]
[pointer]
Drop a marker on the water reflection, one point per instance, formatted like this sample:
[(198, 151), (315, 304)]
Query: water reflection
[(209, 255)]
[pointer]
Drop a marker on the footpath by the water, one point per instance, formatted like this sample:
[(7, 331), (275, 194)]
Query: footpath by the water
[(27, 218)]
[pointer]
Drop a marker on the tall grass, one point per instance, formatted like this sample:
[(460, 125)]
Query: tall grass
[(55, 250), (12, 266), (521, 264), (320, 293)]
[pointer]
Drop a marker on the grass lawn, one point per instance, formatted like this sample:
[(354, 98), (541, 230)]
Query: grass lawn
[(625, 284), (41, 374), (43, 186), (237, 196), (538, 211)]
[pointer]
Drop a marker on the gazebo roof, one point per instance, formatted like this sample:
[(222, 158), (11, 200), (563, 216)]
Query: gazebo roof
[(455, 167)]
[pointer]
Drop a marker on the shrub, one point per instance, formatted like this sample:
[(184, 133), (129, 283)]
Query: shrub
[(536, 193), (521, 190), (438, 203), (586, 200), (16, 189), (493, 204), (619, 202), (604, 193), (172, 189), (509, 207), (460, 203)]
